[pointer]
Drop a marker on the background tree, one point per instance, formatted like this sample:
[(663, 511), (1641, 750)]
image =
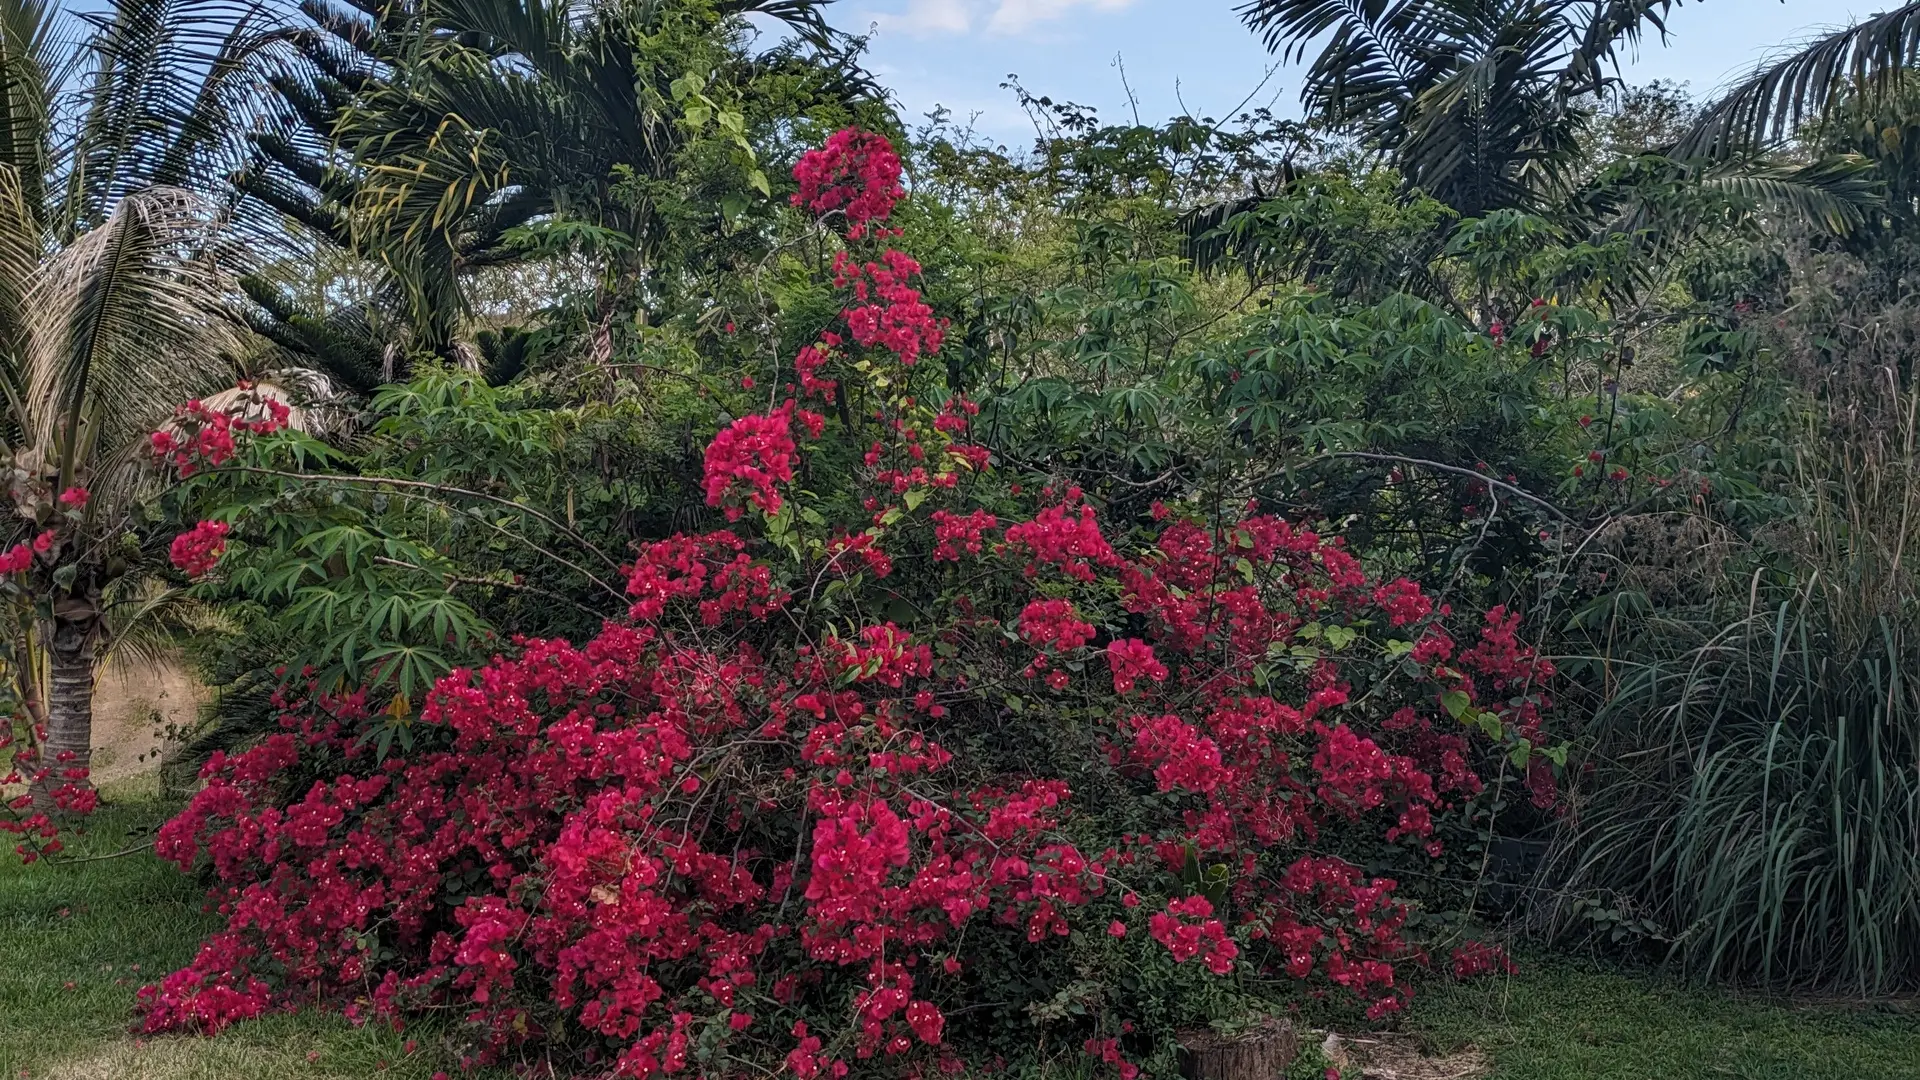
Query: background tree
[(112, 274), (451, 142), (1480, 105)]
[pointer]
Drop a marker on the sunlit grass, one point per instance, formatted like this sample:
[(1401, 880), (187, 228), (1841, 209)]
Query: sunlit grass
[(77, 940)]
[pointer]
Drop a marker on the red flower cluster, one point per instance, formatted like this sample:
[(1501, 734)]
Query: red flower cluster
[(646, 782), (866, 547), (856, 171), (889, 313), (1057, 536), (202, 437), (1479, 958), (1132, 659), (1188, 929), (691, 567), (859, 171), (1053, 624), (755, 452), (573, 766), (197, 550), (63, 789), (1107, 1052), (17, 560), (954, 533)]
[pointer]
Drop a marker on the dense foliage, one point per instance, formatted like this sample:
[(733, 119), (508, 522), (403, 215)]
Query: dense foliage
[(695, 575), (821, 782)]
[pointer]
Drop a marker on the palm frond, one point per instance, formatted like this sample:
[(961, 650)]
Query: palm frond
[(147, 620), (1835, 193), (1612, 23), (125, 326), (167, 99), (19, 265), (29, 66), (1476, 102), (806, 18), (1867, 60)]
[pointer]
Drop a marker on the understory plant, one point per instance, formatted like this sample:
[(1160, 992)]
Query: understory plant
[(936, 771), (1755, 815)]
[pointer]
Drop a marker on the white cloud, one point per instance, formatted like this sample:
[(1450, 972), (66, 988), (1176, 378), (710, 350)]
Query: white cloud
[(1018, 16), (926, 18), (1007, 18)]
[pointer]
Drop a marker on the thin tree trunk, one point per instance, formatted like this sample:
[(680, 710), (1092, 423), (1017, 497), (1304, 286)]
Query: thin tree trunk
[(69, 742)]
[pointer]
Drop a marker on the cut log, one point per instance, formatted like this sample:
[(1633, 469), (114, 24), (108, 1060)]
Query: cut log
[(1261, 1052)]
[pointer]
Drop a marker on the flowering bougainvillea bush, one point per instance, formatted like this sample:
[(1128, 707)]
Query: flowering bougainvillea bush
[(973, 773), (72, 548)]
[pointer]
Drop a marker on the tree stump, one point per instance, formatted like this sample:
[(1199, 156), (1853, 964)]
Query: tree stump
[(1261, 1052)]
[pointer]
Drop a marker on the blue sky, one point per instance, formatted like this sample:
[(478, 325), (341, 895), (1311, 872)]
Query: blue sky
[(957, 52)]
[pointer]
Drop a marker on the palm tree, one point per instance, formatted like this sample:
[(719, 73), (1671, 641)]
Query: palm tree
[(442, 138), (1863, 66), (1479, 103), (112, 279), (1488, 106)]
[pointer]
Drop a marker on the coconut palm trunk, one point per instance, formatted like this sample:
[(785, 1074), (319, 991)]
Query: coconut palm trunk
[(71, 663)]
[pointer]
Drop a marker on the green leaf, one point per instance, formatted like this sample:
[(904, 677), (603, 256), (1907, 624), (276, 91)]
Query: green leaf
[(1456, 703), (684, 86), (1339, 637)]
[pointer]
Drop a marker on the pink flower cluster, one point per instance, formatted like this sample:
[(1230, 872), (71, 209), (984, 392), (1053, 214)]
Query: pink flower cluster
[(196, 551), (755, 453), (856, 171), (203, 437), (1188, 929)]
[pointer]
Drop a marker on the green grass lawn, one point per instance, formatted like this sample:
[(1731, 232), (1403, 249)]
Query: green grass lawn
[(77, 940), (1560, 1020)]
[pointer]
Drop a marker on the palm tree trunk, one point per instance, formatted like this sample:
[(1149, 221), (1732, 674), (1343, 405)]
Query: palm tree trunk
[(69, 743)]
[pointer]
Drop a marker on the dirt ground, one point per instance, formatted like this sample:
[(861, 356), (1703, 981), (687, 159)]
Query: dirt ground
[(1393, 1056), (133, 707)]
